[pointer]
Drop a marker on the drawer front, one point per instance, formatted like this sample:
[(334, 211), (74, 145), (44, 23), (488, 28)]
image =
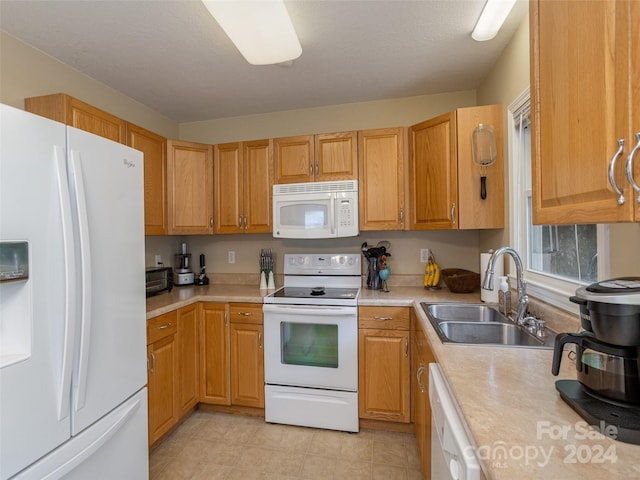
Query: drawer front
[(162, 326), (246, 313), (385, 318)]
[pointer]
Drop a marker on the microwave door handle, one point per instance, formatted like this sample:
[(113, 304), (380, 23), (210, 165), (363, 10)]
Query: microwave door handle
[(332, 213)]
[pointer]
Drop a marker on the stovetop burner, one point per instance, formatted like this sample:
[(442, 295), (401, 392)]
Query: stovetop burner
[(325, 293), (602, 414)]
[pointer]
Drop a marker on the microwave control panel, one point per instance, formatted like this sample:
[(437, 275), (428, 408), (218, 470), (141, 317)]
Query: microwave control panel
[(345, 213)]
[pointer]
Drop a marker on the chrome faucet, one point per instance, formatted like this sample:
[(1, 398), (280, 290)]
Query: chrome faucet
[(523, 299)]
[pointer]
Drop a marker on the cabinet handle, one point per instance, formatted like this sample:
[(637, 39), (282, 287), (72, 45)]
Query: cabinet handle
[(245, 314), (310, 169), (165, 326), (402, 216), (383, 319), (211, 221), (635, 186), (406, 346), (153, 362), (612, 166), (245, 222), (226, 319), (419, 377), (317, 169), (240, 221), (453, 213), (260, 340)]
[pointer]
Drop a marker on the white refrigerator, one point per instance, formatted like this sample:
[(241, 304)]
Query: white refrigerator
[(73, 402)]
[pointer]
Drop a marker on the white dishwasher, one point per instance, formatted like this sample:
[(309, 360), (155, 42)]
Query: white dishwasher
[(452, 453)]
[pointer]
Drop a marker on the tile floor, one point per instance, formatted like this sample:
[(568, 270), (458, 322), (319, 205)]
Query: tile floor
[(212, 446)]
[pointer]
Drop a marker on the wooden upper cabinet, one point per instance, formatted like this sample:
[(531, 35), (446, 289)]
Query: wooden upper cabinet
[(190, 187), (243, 174), (445, 181), (309, 158), (154, 148), (585, 98), (71, 111), (381, 164), (336, 156), (293, 159)]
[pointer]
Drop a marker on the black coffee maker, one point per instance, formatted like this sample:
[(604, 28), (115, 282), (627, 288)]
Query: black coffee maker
[(607, 390)]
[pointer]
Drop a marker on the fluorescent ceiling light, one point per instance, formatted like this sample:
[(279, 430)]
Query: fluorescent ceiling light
[(261, 30), (491, 19)]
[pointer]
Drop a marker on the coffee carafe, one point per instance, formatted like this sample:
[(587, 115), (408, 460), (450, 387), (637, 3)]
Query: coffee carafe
[(182, 274)]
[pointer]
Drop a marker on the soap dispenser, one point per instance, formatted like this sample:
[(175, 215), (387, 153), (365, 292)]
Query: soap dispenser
[(504, 296)]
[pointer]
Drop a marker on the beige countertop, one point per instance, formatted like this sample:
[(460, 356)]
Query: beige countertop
[(513, 413)]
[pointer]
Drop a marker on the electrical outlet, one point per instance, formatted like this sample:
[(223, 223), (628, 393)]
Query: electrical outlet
[(158, 259), (231, 256), (424, 255)]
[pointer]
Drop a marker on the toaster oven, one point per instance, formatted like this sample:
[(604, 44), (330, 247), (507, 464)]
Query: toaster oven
[(159, 279)]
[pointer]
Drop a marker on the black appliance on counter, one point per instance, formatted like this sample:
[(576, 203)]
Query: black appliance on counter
[(607, 390), (158, 280)]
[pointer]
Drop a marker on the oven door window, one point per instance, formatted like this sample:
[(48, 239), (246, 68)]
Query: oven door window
[(309, 344)]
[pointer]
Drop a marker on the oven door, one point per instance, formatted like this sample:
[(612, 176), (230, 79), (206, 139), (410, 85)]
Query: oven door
[(311, 346)]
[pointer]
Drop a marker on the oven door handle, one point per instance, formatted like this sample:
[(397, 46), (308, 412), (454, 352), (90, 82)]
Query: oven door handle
[(324, 310)]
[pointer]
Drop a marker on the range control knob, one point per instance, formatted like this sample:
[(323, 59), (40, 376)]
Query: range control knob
[(341, 260)]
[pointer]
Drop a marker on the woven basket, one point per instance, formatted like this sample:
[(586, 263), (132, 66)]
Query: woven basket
[(459, 280)]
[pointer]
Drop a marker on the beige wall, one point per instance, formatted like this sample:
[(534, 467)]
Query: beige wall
[(26, 72), (335, 118)]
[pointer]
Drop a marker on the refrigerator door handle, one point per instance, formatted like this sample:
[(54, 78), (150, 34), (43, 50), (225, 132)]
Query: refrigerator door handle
[(69, 282), (85, 280)]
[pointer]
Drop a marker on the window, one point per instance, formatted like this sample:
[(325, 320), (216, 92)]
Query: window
[(557, 258)]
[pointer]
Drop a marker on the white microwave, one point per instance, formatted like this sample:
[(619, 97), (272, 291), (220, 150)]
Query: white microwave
[(315, 209)]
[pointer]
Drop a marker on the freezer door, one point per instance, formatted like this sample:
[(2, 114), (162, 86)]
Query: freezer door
[(107, 191), (114, 448), (35, 330)]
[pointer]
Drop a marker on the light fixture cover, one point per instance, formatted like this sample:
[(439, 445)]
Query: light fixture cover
[(493, 15), (261, 30)]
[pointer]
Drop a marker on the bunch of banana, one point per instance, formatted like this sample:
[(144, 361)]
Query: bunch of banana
[(431, 273)]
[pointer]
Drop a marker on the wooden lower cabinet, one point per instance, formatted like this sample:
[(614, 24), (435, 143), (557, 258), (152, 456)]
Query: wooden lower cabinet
[(422, 356), (162, 358), (384, 364), (187, 365), (247, 355), (214, 354)]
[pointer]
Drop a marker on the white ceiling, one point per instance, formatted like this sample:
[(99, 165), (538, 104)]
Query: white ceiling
[(173, 57)]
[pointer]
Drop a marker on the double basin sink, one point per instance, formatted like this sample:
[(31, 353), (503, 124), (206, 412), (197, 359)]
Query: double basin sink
[(482, 324)]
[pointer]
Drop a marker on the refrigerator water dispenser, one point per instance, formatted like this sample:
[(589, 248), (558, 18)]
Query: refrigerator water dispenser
[(15, 308)]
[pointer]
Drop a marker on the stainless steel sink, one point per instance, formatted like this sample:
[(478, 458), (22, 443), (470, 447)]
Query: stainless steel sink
[(455, 312), (482, 324), (489, 333)]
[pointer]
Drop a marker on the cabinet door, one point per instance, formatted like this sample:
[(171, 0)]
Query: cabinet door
[(154, 148), (187, 372), (581, 86), (336, 156), (293, 159), (71, 111), (422, 356), (247, 365), (190, 187), (381, 164), (258, 182), (635, 91), (433, 174), (229, 179), (473, 211), (161, 383), (214, 354), (383, 371)]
